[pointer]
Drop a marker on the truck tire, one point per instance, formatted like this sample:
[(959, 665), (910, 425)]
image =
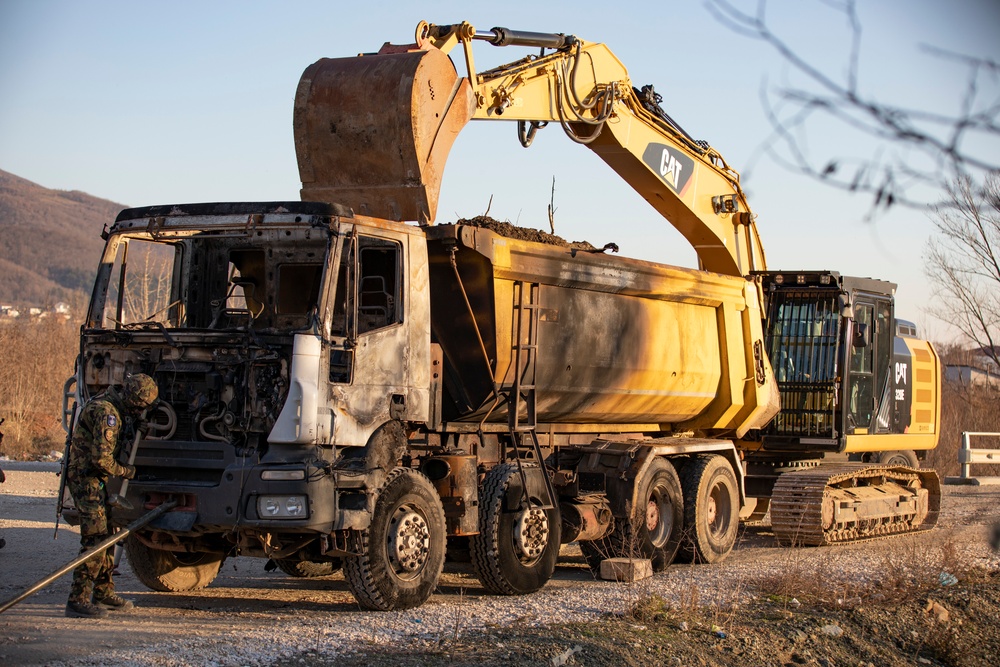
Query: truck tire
[(516, 549), (171, 571), (904, 457), (307, 569), (655, 529), (403, 549), (711, 509)]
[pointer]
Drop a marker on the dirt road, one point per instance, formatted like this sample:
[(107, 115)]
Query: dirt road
[(252, 617)]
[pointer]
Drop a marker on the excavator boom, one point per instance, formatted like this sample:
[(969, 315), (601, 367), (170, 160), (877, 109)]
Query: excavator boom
[(373, 132)]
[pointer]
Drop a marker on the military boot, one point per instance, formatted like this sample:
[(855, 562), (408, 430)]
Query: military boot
[(75, 609), (114, 602)]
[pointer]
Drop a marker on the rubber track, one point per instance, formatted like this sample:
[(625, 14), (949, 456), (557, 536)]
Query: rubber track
[(797, 504)]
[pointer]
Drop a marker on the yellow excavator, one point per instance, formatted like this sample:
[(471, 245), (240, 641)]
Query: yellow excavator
[(373, 133)]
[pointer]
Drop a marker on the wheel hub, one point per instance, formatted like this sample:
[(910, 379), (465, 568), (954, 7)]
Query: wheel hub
[(652, 515), (659, 517), (408, 541), (531, 533)]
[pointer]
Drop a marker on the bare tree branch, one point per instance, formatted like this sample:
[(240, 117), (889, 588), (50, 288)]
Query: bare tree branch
[(913, 146), (963, 262)]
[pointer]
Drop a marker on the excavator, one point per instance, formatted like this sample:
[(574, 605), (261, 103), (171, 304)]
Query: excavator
[(832, 447)]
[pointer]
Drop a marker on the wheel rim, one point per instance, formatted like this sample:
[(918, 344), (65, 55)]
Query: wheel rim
[(719, 510), (408, 542), (659, 516), (531, 535)]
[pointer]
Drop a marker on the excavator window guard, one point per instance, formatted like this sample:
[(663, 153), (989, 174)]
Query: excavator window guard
[(803, 334)]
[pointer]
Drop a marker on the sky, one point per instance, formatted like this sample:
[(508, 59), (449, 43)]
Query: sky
[(168, 102)]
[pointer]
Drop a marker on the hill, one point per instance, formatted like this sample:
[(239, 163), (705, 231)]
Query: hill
[(50, 241)]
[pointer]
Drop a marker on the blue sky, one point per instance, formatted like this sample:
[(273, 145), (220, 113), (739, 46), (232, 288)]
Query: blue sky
[(163, 102)]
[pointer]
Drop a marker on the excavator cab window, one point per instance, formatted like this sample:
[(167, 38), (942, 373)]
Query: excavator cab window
[(884, 334), (802, 343), (869, 398), (861, 392)]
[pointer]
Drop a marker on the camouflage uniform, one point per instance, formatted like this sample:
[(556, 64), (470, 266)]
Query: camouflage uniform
[(92, 460), (3, 478)]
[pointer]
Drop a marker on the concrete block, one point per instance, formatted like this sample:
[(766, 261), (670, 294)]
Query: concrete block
[(973, 481), (626, 569)]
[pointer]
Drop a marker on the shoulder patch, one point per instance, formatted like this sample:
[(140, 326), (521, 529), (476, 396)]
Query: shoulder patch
[(109, 435), (112, 421)]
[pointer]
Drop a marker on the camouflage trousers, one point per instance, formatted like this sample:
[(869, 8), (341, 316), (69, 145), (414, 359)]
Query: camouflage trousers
[(92, 577)]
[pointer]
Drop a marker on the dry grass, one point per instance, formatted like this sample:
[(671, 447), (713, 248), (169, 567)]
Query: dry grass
[(965, 408), (36, 357), (910, 570)]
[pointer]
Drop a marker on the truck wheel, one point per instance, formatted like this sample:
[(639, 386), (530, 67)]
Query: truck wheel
[(655, 529), (711, 509), (307, 569), (905, 457), (403, 549), (171, 571), (516, 549)]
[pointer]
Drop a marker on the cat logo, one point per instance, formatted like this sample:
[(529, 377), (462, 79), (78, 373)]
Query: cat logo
[(673, 167), (670, 169)]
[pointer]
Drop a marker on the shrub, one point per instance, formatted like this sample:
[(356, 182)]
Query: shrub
[(36, 357)]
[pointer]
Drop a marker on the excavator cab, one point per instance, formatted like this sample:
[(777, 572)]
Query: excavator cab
[(844, 375)]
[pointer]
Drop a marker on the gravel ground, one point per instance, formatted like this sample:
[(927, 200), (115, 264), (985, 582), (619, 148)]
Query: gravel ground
[(251, 617)]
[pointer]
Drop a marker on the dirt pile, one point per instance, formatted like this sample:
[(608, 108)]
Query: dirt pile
[(512, 231)]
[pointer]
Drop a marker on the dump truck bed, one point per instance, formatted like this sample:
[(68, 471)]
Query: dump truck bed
[(620, 342)]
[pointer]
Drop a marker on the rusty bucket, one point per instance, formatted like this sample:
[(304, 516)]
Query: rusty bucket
[(373, 132)]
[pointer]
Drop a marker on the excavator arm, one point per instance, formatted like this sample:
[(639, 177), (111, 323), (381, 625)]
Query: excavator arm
[(373, 132)]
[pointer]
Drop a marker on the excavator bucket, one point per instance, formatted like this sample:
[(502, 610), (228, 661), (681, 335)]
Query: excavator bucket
[(374, 132)]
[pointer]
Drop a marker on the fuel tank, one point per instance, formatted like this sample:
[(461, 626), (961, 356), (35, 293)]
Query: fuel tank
[(618, 343)]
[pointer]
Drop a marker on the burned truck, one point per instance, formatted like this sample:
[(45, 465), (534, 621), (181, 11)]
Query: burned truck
[(339, 389), (342, 387)]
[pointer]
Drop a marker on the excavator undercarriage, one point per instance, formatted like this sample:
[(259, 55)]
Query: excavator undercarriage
[(852, 502)]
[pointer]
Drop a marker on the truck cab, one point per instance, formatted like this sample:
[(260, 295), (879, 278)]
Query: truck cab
[(273, 330)]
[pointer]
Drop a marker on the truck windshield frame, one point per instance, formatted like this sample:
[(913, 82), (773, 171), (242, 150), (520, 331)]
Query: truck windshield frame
[(213, 281)]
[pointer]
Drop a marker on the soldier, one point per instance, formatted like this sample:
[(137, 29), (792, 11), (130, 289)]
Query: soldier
[(92, 460), (3, 478)]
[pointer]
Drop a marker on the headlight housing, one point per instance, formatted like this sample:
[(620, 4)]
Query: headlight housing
[(280, 474), (282, 507)]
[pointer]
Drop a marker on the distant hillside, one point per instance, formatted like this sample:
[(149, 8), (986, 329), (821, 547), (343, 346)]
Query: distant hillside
[(50, 241)]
